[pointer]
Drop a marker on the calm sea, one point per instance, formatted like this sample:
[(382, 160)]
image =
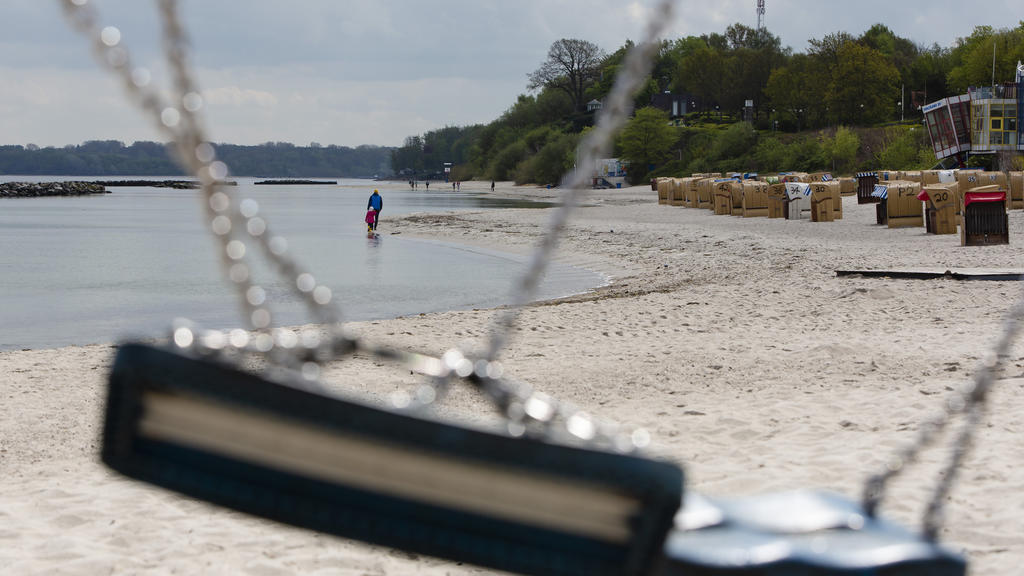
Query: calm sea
[(103, 268)]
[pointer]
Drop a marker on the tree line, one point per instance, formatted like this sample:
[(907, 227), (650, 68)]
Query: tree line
[(838, 105), (271, 159)]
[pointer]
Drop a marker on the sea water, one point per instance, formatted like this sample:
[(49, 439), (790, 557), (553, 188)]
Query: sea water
[(102, 268)]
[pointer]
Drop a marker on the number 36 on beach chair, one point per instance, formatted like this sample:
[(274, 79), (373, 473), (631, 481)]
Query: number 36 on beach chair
[(519, 504)]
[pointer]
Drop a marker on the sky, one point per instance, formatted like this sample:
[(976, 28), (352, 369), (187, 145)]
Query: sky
[(352, 72)]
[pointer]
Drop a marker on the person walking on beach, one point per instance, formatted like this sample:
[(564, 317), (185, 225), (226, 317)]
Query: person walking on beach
[(377, 204), (492, 185), (426, 183)]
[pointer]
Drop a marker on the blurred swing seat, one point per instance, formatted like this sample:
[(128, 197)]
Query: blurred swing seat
[(803, 533), (276, 450)]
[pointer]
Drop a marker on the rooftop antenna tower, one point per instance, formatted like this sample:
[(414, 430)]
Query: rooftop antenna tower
[(760, 15)]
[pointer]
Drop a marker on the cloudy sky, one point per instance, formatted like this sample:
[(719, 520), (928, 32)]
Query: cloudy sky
[(352, 72)]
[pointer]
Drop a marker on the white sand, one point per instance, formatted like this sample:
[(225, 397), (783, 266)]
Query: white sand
[(731, 339)]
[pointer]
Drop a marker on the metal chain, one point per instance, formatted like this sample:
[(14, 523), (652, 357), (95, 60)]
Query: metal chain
[(236, 224), (970, 399)]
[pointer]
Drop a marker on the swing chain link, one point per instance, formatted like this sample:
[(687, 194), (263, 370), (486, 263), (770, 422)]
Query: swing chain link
[(237, 225)]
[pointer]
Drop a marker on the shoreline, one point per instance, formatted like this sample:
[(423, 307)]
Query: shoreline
[(732, 340)]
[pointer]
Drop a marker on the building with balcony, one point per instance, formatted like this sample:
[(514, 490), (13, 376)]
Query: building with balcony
[(986, 120)]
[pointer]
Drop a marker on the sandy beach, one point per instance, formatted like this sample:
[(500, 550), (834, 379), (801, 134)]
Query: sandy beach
[(732, 340)]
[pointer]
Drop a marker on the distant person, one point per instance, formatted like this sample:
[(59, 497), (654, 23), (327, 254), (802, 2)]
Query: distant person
[(427, 184), (377, 204), (492, 185), (453, 185), (458, 184), (412, 185), (371, 220)]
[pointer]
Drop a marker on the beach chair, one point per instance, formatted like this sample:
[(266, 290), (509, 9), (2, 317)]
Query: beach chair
[(822, 202), (984, 220), (881, 193), (677, 191), (1015, 199), (755, 198), (797, 200), (866, 182), (903, 207), (940, 208), (777, 200), (723, 196), (664, 188)]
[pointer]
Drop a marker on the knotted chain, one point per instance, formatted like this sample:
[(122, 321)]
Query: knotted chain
[(237, 225)]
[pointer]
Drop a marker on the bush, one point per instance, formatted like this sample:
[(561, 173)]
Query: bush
[(904, 149), (549, 164), (505, 162)]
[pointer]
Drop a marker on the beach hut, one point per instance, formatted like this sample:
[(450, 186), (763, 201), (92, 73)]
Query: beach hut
[(940, 208), (755, 198), (984, 219), (798, 200), (903, 207)]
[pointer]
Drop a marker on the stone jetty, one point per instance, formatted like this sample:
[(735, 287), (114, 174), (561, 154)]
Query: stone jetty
[(295, 182), (38, 189), (175, 184)]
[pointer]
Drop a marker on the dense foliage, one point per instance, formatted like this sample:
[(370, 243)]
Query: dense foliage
[(838, 106), (274, 159)]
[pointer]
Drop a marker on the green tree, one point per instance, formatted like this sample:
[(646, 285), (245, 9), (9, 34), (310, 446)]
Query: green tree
[(795, 92), (905, 149), (865, 86), (571, 66), (646, 141), (972, 57)]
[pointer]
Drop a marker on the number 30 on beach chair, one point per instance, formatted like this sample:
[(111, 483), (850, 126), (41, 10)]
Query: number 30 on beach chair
[(520, 504)]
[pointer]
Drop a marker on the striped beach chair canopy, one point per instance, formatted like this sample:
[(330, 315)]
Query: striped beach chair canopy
[(797, 190), (881, 192)]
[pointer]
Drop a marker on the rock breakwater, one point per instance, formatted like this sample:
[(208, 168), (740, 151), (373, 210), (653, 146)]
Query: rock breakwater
[(38, 189)]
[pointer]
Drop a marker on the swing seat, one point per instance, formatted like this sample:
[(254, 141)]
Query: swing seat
[(279, 451), (522, 505), (804, 533)]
